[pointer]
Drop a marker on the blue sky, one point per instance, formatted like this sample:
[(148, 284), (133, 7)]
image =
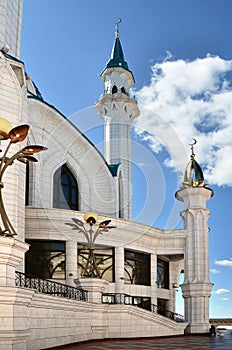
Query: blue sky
[(180, 53)]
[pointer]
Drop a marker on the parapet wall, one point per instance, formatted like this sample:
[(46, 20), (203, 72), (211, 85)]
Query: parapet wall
[(33, 321)]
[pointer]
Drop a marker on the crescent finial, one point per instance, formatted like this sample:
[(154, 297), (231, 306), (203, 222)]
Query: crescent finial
[(117, 28), (194, 142), (192, 148)]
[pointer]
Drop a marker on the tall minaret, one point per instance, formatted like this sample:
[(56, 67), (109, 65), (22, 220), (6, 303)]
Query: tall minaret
[(11, 25), (118, 109), (197, 287)]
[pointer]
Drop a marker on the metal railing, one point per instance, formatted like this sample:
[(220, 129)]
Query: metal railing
[(142, 302), (50, 287)]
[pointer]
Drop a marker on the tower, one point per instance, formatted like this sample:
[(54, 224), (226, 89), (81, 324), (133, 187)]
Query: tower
[(118, 109), (196, 288), (13, 104), (11, 24)]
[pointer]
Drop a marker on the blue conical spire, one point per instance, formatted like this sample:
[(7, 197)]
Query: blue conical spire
[(117, 57)]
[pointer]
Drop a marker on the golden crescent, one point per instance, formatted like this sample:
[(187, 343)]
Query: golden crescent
[(192, 144)]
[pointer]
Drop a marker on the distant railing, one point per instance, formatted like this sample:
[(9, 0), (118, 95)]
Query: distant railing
[(50, 287), (142, 302), (221, 321)]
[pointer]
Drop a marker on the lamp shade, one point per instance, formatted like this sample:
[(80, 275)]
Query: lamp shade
[(90, 218), (5, 128), (19, 133), (33, 149)]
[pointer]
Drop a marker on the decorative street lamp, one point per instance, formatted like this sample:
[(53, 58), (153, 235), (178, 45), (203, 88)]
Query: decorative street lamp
[(91, 268), (24, 155)]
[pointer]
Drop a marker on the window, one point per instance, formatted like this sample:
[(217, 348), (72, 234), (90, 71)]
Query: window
[(120, 196), (137, 268), (162, 274), (46, 259), (27, 184), (123, 90), (114, 89), (65, 189), (104, 258)]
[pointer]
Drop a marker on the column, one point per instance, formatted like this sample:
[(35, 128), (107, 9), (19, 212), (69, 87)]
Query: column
[(71, 262), (11, 254), (119, 270)]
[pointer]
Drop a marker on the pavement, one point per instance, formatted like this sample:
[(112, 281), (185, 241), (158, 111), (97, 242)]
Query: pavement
[(164, 343)]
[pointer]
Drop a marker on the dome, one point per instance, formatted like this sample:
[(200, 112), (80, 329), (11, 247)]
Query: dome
[(193, 176)]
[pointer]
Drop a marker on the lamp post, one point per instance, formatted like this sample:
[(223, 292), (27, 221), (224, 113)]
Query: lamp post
[(24, 155), (91, 268)]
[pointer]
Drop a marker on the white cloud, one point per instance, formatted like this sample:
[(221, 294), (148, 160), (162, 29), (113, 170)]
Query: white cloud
[(186, 100), (214, 271), (224, 262), (224, 299), (221, 291)]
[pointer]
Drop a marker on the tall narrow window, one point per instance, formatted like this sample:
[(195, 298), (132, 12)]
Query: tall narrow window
[(114, 89), (162, 274), (65, 189), (120, 196), (27, 185)]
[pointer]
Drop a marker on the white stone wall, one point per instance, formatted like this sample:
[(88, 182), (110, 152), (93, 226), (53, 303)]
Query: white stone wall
[(13, 107), (11, 24), (33, 321), (66, 145)]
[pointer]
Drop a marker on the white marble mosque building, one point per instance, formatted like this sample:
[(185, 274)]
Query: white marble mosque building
[(139, 265)]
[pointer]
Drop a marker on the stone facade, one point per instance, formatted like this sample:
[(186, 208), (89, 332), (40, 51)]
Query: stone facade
[(33, 320)]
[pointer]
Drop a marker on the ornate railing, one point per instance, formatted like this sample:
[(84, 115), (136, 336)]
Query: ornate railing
[(50, 287), (142, 302)]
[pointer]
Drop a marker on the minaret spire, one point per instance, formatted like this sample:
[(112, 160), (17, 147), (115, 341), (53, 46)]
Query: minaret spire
[(117, 28), (118, 109)]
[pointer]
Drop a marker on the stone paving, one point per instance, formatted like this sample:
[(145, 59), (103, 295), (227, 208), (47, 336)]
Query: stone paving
[(164, 343)]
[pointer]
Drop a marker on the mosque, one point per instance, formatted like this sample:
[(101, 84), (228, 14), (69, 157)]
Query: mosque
[(72, 212)]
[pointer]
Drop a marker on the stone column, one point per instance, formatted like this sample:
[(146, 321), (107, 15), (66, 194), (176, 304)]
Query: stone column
[(196, 288), (11, 254), (119, 270), (71, 262)]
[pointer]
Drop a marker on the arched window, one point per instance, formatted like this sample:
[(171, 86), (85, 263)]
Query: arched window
[(123, 90), (65, 189), (114, 89)]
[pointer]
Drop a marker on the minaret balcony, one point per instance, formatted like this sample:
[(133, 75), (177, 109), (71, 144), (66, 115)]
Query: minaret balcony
[(117, 97)]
